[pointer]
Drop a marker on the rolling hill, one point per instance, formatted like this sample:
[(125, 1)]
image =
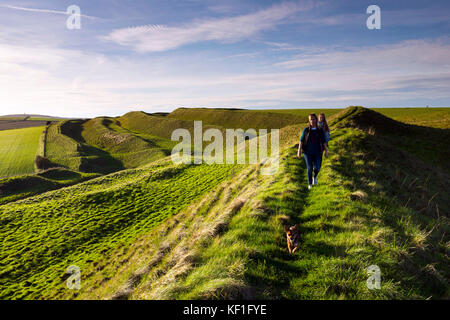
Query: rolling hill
[(165, 231), (243, 119)]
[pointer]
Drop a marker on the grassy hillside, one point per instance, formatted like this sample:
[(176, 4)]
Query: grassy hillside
[(82, 224), (428, 117), (152, 125), (428, 144), (131, 150), (19, 187), (18, 149), (101, 145), (302, 114), (162, 231), (242, 119), (366, 210), (62, 148)]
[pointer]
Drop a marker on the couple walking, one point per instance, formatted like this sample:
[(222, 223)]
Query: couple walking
[(313, 142)]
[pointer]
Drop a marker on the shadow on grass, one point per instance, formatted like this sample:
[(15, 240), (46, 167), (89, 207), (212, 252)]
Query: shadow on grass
[(396, 186)]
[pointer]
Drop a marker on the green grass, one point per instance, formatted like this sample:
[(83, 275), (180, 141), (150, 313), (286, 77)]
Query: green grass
[(18, 149), (366, 210), (234, 119), (429, 117), (82, 224), (19, 187), (159, 126), (303, 113), (196, 231), (130, 149), (101, 145), (62, 149)]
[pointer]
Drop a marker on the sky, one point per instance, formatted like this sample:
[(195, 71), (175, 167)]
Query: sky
[(255, 54)]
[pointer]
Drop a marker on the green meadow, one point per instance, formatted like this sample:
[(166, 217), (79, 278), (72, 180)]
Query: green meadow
[(141, 227), (18, 148)]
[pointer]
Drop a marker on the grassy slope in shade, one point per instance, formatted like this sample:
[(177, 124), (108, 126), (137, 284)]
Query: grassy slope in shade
[(19, 187), (102, 145), (428, 144), (18, 149), (131, 150), (62, 149), (43, 235)]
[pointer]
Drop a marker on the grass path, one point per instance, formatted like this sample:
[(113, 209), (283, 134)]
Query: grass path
[(18, 148), (343, 231)]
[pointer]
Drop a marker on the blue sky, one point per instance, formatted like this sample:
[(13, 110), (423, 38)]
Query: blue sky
[(160, 55)]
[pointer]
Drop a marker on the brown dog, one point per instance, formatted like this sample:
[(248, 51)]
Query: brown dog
[(292, 238)]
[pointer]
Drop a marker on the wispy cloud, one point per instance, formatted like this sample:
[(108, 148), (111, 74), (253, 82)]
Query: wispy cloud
[(153, 38), (409, 55), (44, 79), (45, 11)]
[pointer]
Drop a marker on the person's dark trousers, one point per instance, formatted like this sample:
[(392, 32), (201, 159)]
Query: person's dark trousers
[(313, 162), (321, 158)]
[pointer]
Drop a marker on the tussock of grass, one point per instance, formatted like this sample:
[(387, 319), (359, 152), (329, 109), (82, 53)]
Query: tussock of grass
[(358, 195)]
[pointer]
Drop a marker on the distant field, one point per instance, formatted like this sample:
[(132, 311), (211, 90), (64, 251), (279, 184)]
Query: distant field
[(18, 124), (12, 118), (31, 117), (18, 149), (303, 113), (43, 119), (427, 117)]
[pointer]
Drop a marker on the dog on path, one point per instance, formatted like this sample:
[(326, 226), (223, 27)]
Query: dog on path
[(292, 238)]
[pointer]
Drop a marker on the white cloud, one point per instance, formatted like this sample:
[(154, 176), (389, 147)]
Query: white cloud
[(153, 38), (405, 56), (48, 80)]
